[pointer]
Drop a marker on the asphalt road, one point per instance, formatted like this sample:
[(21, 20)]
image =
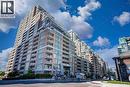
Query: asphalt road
[(33, 81), (45, 83)]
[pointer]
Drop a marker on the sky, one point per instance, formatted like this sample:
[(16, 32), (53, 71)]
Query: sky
[(99, 23)]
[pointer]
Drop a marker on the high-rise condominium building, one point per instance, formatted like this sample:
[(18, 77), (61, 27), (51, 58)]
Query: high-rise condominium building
[(24, 24), (45, 47), (42, 46), (87, 61), (81, 58)]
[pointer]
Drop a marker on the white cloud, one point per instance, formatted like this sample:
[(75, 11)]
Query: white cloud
[(83, 28), (63, 18), (91, 5), (23, 6), (101, 42), (76, 23), (20, 6), (4, 58), (7, 24), (123, 19), (4, 27), (108, 54), (49, 5)]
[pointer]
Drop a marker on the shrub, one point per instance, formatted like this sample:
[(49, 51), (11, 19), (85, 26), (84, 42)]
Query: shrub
[(33, 76), (29, 75), (2, 73), (13, 74)]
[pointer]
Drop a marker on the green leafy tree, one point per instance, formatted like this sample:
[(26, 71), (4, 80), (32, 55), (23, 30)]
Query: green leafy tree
[(2, 73), (30, 72), (13, 74)]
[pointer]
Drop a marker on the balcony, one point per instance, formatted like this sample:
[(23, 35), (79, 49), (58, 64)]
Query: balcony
[(32, 67), (66, 46), (23, 59), (34, 48), (33, 56), (48, 57), (33, 53), (35, 40), (25, 52), (25, 49), (66, 54), (35, 44), (49, 54), (21, 69), (48, 62), (66, 50), (47, 67), (125, 55), (49, 43), (32, 61), (50, 38), (49, 50), (66, 42), (65, 38)]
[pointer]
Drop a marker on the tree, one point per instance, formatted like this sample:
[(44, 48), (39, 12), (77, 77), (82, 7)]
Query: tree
[(28, 75), (30, 72), (2, 73), (13, 74)]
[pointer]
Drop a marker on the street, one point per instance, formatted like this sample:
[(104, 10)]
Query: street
[(38, 83)]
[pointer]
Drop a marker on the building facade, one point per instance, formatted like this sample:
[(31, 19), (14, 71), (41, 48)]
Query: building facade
[(22, 28), (123, 61), (87, 61), (81, 58), (25, 23), (43, 46)]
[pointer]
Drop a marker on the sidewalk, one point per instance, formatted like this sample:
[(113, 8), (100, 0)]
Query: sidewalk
[(114, 85), (105, 84)]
